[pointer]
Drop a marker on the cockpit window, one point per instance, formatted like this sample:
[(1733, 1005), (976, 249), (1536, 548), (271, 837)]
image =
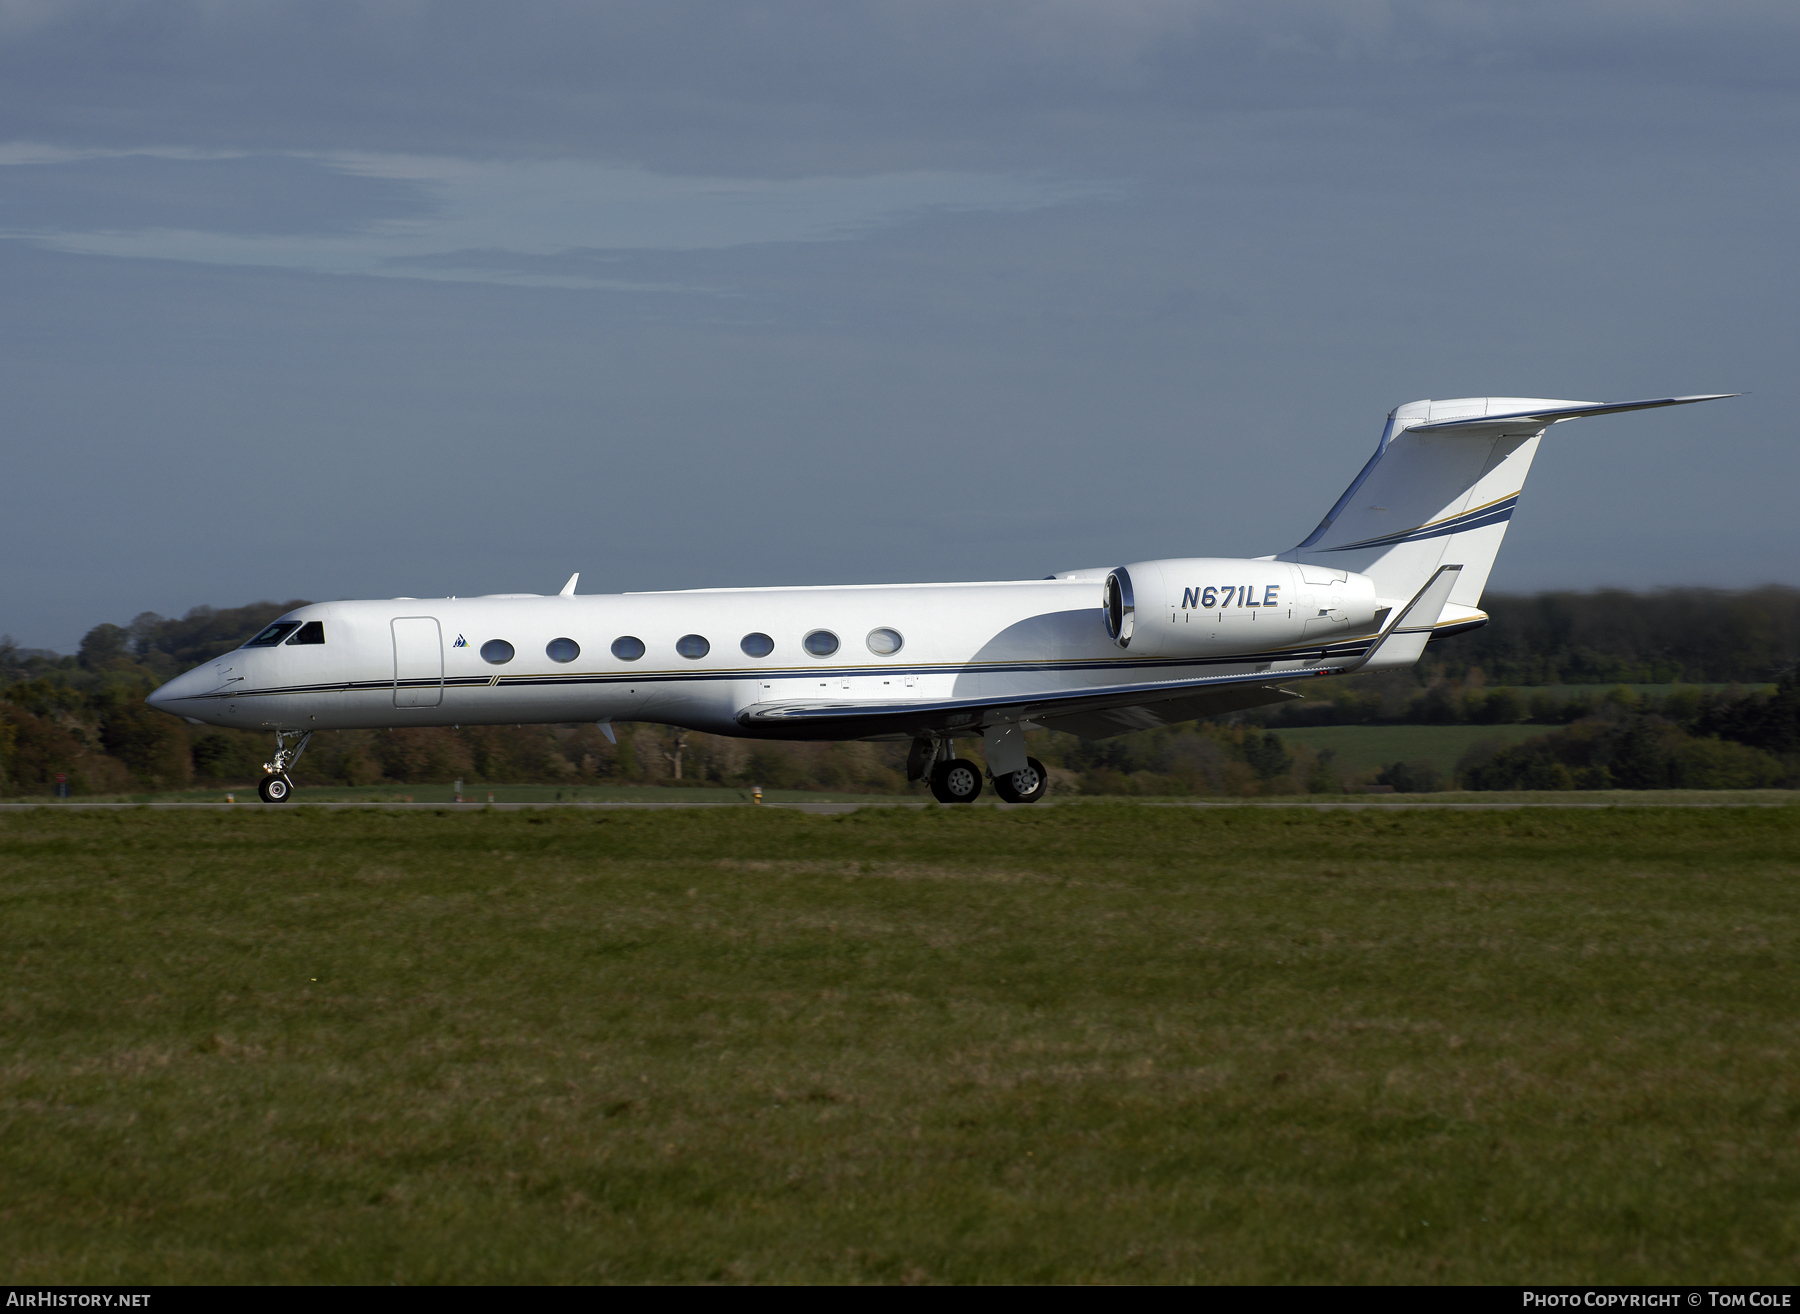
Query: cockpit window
[(274, 634), (311, 632)]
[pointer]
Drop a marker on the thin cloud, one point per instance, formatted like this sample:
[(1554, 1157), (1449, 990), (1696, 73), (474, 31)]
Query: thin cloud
[(537, 208)]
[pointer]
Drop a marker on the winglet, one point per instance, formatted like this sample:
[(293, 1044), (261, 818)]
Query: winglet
[(1414, 623), (568, 590)]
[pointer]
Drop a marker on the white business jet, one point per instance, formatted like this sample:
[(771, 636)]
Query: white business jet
[(1399, 561)]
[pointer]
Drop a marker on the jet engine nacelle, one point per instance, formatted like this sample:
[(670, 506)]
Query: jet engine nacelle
[(1215, 606)]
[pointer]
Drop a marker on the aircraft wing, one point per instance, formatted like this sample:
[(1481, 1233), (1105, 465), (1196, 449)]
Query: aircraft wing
[(1096, 713), (1093, 713), (1105, 723)]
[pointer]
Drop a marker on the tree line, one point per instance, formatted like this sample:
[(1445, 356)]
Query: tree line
[(1728, 718), (1614, 636)]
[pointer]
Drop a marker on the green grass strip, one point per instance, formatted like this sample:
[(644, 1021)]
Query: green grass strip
[(1095, 1043)]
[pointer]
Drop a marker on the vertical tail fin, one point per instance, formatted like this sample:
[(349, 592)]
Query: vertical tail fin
[(1440, 489)]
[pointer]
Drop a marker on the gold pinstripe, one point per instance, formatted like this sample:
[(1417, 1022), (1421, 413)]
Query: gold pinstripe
[(1429, 524)]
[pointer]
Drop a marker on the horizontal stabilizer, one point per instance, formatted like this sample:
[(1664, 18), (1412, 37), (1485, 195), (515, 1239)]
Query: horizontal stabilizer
[(1538, 419)]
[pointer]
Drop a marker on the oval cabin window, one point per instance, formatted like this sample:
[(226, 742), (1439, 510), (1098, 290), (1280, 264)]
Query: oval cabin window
[(562, 650), (757, 645), (497, 651), (885, 642), (628, 648), (692, 646), (821, 643)]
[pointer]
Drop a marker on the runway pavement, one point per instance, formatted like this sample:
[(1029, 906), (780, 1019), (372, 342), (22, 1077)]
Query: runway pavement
[(834, 807)]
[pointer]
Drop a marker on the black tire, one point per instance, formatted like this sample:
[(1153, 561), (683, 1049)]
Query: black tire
[(1025, 786), (956, 781), (274, 789)]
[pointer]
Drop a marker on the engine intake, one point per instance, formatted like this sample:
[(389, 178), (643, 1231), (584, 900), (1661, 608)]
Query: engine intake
[(1121, 607)]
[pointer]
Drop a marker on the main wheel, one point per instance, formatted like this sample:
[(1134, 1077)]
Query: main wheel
[(1025, 786), (274, 789), (956, 781)]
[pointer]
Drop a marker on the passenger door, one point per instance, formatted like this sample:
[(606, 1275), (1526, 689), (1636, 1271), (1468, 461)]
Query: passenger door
[(418, 662)]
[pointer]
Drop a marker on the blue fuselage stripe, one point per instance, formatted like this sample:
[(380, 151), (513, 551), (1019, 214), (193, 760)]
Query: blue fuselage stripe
[(1487, 515)]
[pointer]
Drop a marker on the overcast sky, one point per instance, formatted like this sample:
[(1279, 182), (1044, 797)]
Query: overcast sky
[(333, 300)]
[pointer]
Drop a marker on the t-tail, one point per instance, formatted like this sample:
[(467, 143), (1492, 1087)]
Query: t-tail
[(1439, 491)]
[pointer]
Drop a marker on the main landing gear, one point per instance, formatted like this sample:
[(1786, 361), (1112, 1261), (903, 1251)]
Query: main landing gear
[(276, 786), (958, 780), (1025, 786)]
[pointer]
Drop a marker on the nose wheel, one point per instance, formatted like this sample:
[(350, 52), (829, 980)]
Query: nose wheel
[(956, 781), (1025, 786), (277, 786)]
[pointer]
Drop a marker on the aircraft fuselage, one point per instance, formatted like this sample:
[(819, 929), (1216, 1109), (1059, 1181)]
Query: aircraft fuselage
[(420, 662)]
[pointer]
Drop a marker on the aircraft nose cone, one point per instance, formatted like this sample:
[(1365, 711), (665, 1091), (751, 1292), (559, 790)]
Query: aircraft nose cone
[(178, 690)]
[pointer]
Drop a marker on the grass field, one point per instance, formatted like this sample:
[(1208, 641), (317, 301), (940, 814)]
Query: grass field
[(1098, 1042), (1366, 747)]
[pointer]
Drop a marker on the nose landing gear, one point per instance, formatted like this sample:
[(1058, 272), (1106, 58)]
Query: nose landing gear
[(276, 786)]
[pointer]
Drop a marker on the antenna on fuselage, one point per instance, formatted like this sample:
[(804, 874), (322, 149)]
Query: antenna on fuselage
[(568, 590)]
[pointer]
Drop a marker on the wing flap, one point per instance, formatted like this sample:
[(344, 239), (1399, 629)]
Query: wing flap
[(958, 713), (1153, 716)]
